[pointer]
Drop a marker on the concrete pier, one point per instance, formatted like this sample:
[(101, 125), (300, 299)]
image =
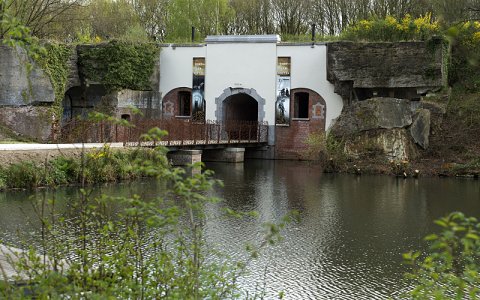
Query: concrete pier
[(184, 157), (232, 155)]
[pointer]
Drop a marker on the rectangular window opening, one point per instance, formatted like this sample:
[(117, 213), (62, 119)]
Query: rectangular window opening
[(301, 105), (184, 103)]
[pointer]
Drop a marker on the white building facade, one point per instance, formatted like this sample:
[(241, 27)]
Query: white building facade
[(251, 78)]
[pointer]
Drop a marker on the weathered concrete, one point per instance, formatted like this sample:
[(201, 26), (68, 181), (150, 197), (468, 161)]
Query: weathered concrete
[(393, 144), (417, 65), (19, 87), (392, 128), (372, 114), (420, 129), (10, 257), (232, 155), (33, 122), (184, 157), (73, 78), (147, 101)]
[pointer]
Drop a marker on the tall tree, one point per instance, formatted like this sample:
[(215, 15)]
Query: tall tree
[(39, 15), (291, 16), (207, 16), (152, 16), (112, 19), (251, 17)]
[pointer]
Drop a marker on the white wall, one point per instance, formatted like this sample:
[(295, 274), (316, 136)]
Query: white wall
[(249, 65), (241, 65), (176, 66), (309, 70)]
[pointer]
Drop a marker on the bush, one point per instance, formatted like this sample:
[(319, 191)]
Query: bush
[(391, 29), (23, 175), (451, 269)]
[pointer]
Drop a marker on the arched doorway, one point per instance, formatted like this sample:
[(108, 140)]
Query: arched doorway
[(240, 113), (240, 108), (229, 92)]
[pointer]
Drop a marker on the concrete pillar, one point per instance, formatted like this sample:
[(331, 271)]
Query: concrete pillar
[(232, 155), (184, 157)]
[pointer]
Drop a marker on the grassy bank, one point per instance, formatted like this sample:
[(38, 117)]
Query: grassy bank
[(100, 165)]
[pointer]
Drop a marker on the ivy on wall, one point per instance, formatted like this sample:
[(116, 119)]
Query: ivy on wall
[(119, 64), (54, 62)]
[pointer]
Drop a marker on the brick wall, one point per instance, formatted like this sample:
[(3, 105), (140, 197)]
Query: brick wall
[(170, 107), (290, 140)]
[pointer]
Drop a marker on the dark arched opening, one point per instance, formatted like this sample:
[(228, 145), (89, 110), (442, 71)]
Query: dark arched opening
[(240, 114)]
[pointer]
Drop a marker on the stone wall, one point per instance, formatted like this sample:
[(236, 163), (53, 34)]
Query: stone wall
[(19, 87), (383, 66), (24, 96), (33, 122)]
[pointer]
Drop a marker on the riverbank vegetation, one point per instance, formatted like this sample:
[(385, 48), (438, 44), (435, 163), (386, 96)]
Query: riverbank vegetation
[(96, 166)]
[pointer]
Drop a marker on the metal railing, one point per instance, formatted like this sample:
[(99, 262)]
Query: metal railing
[(180, 132)]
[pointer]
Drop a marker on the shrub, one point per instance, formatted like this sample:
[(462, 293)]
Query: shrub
[(451, 269), (391, 29), (23, 175)]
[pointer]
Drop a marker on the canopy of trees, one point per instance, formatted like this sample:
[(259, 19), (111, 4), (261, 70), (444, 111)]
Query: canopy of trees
[(172, 20)]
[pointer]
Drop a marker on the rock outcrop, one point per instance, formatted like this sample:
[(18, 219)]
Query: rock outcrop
[(396, 129)]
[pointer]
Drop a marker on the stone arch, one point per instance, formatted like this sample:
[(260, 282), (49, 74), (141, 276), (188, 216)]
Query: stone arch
[(170, 104), (228, 92), (317, 107)]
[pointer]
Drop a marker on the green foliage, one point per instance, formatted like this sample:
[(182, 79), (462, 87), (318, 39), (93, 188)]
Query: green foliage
[(465, 59), (23, 175), (133, 248), (119, 64), (14, 33), (316, 143), (451, 270), (100, 165), (54, 61), (208, 17), (391, 29)]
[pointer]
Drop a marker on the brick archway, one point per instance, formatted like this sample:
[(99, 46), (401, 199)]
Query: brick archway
[(229, 92), (170, 102), (317, 107)]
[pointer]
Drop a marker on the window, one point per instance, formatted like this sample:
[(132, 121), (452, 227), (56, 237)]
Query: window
[(301, 105), (184, 103)]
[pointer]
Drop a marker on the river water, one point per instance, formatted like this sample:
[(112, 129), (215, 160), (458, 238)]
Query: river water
[(347, 244)]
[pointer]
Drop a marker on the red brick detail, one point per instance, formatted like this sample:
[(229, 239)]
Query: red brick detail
[(290, 140), (170, 107)]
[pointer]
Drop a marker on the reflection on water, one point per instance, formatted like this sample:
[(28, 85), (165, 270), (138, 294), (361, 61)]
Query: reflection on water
[(348, 243), (352, 232)]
